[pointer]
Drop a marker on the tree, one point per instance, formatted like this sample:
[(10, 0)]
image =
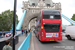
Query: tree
[(6, 20), (73, 17)]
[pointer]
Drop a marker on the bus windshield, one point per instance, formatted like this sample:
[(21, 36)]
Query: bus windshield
[(52, 27)]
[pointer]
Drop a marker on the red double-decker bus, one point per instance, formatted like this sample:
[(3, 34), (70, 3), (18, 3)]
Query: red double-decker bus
[(49, 26)]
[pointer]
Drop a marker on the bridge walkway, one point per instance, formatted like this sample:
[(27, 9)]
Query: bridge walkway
[(21, 38)]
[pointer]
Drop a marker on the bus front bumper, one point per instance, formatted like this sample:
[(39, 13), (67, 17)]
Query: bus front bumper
[(51, 39)]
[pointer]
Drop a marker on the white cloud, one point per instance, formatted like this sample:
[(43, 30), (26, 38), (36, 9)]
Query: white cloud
[(68, 7), (5, 5), (19, 6)]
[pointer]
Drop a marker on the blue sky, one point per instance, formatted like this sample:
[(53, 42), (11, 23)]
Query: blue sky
[(68, 7)]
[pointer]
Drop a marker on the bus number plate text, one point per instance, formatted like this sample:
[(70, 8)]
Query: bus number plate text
[(51, 39)]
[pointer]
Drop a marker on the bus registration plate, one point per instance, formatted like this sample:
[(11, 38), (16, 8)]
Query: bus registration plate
[(51, 39)]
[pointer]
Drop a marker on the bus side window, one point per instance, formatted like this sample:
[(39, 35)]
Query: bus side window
[(36, 29), (39, 28), (36, 20), (40, 21), (39, 16)]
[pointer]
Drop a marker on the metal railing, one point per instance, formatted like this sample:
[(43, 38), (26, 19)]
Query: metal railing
[(68, 19), (25, 44), (21, 21)]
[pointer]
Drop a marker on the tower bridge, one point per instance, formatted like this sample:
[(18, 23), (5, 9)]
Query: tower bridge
[(33, 7)]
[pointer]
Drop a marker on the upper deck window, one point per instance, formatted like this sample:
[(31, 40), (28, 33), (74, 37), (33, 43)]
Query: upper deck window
[(49, 14), (48, 4), (51, 17), (33, 4)]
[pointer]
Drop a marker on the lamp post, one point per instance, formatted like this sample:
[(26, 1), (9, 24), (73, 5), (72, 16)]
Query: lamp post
[(14, 17)]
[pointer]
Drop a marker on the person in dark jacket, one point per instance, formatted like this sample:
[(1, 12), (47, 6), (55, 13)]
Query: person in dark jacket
[(3, 33), (26, 32), (22, 31)]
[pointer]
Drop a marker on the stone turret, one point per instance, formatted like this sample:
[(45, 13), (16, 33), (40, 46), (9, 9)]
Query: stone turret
[(33, 8), (40, 4), (33, 2), (48, 2)]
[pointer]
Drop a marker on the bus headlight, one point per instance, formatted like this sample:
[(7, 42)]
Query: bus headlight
[(42, 27)]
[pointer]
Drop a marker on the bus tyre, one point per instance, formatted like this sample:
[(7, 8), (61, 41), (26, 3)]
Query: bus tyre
[(68, 37)]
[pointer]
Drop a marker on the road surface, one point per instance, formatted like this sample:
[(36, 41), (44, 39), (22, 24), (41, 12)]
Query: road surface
[(59, 45)]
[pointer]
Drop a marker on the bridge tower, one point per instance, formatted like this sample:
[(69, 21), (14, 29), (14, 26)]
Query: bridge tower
[(33, 8)]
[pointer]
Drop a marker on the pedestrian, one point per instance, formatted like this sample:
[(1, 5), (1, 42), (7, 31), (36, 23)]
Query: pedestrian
[(22, 31), (7, 45), (26, 32), (29, 30), (3, 33)]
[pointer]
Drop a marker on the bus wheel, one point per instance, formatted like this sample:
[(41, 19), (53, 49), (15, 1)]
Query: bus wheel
[(68, 37)]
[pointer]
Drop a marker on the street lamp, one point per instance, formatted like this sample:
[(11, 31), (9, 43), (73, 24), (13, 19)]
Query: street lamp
[(14, 17)]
